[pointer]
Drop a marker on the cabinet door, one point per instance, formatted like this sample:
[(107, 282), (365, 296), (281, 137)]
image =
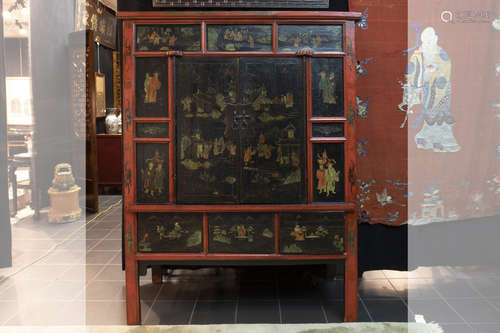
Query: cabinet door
[(207, 148), (240, 130), (272, 144)]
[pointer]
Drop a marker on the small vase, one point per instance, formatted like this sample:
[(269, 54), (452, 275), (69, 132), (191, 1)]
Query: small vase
[(113, 121)]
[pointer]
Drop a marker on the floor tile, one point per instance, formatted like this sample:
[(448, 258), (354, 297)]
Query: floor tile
[(106, 313), (49, 314), (486, 328), (219, 289), (115, 234), (169, 313), (7, 310), (111, 273), (376, 289), (42, 272), (495, 302), (455, 288), (475, 310), (258, 312), (333, 289), (387, 310), (99, 257), (63, 257), (97, 234), (265, 290), (487, 287), (108, 245), (105, 290), (179, 290), (302, 311), (62, 291), (415, 288), (149, 291), (91, 271), (23, 290), (335, 310), (457, 328), (214, 312), (434, 311)]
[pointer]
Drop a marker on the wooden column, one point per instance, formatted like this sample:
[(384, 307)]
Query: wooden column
[(130, 219), (351, 263)]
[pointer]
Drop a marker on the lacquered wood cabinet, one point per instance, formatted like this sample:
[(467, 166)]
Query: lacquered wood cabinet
[(239, 141)]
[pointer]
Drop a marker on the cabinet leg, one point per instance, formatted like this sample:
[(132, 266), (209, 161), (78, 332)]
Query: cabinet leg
[(157, 274), (351, 272), (132, 292), (350, 295)]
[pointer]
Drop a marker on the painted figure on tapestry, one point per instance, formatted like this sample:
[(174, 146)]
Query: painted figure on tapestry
[(326, 175), (151, 86), (153, 175), (327, 87), (428, 75)]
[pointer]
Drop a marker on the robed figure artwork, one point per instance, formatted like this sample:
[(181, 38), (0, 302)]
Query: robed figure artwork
[(429, 84)]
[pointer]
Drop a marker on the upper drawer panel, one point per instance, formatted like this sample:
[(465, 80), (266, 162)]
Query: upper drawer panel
[(320, 38), (168, 37), (240, 37)]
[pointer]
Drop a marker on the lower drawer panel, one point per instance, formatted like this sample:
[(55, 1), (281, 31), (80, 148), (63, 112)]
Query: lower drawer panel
[(164, 232), (241, 233), (312, 233)]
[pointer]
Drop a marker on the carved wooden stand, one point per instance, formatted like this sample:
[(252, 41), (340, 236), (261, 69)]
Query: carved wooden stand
[(281, 229)]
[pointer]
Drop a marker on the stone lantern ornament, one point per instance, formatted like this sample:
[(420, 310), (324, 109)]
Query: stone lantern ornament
[(64, 203)]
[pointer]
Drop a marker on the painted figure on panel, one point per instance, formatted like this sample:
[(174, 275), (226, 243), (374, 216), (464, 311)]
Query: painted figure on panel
[(298, 233), (327, 87), (151, 86), (428, 75), (326, 175), (153, 175)]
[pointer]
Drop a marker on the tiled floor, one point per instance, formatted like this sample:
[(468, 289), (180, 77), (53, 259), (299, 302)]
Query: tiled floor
[(81, 281)]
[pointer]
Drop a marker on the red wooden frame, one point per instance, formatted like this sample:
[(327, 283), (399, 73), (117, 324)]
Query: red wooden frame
[(132, 256)]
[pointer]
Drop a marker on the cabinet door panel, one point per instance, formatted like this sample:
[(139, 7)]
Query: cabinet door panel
[(328, 172), (312, 233), (158, 232), (152, 173), (241, 233), (151, 84), (207, 147), (327, 87), (320, 38), (168, 37), (239, 37), (272, 145)]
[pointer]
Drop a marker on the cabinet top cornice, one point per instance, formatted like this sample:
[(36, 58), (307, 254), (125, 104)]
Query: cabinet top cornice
[(238, 15)]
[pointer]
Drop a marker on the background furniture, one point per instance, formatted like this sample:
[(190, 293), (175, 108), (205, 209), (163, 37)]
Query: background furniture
[(109, 159), (246, 152)]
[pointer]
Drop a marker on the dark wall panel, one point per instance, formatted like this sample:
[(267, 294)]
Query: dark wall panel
[(50, 27), (146, 5)]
